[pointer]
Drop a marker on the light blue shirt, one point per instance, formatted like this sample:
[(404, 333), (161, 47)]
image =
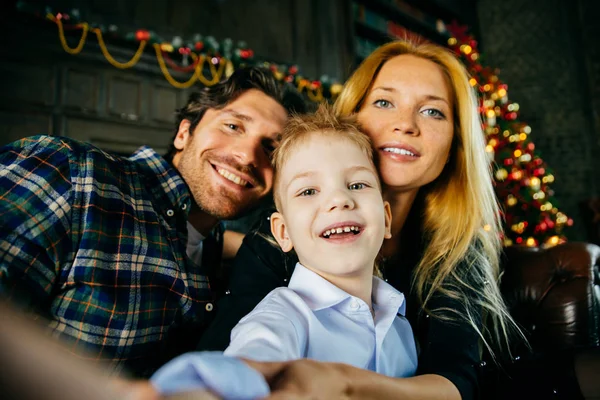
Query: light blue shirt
[(311, 318)]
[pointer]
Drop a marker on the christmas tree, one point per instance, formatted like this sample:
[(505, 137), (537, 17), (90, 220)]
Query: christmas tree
[(521, 178)]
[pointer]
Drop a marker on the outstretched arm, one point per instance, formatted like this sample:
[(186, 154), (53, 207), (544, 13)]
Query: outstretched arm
[(303, 379)]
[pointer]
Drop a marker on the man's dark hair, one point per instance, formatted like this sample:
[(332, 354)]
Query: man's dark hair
[(220, 95)]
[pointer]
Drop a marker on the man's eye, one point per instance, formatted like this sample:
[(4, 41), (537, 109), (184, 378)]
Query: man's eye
[(269, 147), (357, 186), (232, 127), (308, 192)]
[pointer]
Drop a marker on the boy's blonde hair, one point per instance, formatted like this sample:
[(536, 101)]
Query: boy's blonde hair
[(323, 122)]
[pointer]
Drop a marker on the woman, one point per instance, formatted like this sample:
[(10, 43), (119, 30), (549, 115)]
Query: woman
[(416, 103)]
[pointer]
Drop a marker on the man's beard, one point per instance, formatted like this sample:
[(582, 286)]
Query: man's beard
[(218, 202)]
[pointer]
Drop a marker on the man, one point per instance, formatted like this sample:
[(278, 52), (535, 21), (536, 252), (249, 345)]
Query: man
[(111, 250)]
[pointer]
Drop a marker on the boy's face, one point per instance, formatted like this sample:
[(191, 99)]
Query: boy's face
[(332, 210)]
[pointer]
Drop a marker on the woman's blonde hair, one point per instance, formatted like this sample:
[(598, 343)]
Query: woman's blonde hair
[(461, 221)]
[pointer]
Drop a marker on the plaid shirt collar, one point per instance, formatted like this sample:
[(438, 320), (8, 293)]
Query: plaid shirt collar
[(163, 179)]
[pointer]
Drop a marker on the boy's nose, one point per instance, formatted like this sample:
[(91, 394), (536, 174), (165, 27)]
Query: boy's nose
[(340, 200)]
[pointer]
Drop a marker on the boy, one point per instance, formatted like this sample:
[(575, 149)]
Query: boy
[(331, 212)]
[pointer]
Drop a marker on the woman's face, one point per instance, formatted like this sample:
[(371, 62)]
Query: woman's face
[(408, 113)]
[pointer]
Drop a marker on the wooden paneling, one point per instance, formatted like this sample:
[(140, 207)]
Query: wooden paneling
[(15, 126), (124, 97), (164, 101), (81, 90), (116, 137), (28, 83)]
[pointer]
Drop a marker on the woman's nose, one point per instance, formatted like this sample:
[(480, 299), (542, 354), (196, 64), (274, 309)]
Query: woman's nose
[(406, 123)]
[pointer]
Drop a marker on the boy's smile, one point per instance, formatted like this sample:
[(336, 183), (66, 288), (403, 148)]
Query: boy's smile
[(332, 210)]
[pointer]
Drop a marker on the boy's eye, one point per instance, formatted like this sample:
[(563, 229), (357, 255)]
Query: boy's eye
[(357, 186), (308, 192)]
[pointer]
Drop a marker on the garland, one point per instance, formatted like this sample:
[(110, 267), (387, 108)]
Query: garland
[(218, 60)]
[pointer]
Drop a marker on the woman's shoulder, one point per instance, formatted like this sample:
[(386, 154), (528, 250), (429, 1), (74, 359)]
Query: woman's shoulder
[(260, 265)]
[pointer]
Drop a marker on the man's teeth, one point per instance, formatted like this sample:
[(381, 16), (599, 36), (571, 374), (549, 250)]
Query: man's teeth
[(232, 177), (345, 229), (399, 151)]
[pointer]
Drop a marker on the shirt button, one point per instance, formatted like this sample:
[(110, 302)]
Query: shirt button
[(354, 304), (209, 307), (170, 213), (183, 207)]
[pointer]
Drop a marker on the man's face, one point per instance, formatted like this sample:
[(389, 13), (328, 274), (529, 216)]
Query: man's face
[(226, 161)]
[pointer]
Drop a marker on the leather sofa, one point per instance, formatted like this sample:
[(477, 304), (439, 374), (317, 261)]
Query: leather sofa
[(554, 295)]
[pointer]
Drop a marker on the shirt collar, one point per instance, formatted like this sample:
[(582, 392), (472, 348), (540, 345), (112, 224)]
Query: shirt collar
[(162, 175), (316, 291), (319, 293)]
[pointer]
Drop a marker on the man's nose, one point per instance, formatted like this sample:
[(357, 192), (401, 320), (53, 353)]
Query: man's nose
[(246, 151)]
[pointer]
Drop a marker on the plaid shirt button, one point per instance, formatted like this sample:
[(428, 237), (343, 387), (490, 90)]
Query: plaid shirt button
[(170, 213), (209, 307)]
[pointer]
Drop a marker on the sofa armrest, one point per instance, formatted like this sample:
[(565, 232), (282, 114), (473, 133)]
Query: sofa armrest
[(554, 294)]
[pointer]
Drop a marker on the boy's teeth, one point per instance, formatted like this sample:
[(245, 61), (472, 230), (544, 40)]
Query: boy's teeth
[(232, 177), (345, 229)]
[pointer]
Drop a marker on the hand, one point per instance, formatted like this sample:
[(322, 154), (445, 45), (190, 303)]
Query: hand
[(144, 390), (135, 390), (306, 379)]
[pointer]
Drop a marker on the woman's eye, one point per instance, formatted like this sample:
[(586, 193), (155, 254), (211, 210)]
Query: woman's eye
[(382, 103), (432, 112), (357, 186), (308, 192)]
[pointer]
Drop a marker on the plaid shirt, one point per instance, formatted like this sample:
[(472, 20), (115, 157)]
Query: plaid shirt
[(96, 243)]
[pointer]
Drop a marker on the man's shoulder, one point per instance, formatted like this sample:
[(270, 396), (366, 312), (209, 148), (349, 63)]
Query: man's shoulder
[(57, 147)]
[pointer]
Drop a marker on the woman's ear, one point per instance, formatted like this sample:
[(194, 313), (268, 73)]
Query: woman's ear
[(183, 134), (387, 210), (280, 232)]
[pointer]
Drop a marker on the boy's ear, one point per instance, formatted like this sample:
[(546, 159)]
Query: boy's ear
[(183, 134), (280, 232), (387, 211)]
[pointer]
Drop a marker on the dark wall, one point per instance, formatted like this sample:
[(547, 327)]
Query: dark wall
[(47, 91), (286, 31), (547, 53)]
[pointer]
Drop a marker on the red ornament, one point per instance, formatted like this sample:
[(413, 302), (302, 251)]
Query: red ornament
[(293, 70), (198, 46), (184, 50), (142, 34), (519, 240), (316, 84)]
